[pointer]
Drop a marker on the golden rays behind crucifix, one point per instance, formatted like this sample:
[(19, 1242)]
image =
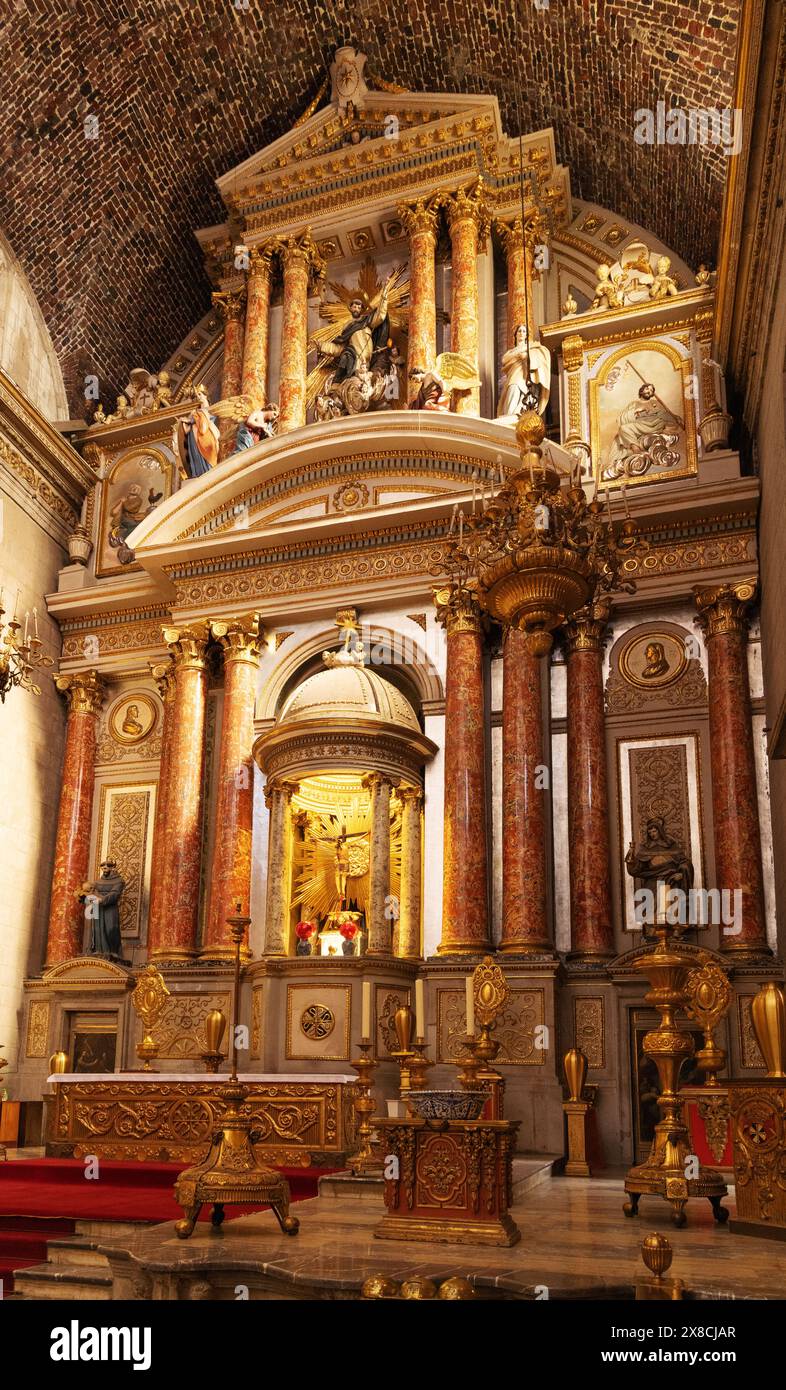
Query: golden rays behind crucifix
[(332, 861)]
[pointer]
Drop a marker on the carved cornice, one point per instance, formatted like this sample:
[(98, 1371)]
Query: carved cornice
[(84, 692), (573, 352), (725, 608)]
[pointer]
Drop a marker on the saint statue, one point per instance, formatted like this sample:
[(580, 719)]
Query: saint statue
[(259, 425), (198, 438), (646, 434), (431, 394), (663, 284), (357, 350), (659, 859), (657, 665), (102, 911), (366, 333), (527, 383)]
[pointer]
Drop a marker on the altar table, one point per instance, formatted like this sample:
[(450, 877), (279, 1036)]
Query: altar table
[(305, 1121)]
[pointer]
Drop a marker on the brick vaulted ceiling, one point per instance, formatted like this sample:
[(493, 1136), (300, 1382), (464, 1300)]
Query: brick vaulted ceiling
[(185, 89)]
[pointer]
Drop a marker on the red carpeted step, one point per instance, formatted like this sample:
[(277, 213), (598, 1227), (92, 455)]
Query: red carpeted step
[(23, 1242), (48, 1187)]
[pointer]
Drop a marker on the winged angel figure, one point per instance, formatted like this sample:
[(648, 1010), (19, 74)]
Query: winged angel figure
[(196, 440), (360, 346)]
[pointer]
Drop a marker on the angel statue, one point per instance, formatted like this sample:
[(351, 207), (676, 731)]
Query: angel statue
[(527, 383), (356, 348), (196, 439), (452, 372)]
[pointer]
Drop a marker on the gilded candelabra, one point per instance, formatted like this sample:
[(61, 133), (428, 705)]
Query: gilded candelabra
[(489, 995), (365, 1066), (709, 996), (536, 550), (230, 1172), (20, 657), (670, 1161)]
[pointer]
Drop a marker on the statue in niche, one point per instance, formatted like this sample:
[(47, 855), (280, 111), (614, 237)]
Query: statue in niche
[(659, 860), (358, 355), (102, 911), (527, 384)]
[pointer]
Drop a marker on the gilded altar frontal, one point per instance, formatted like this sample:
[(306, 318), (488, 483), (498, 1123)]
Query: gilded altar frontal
[(392, 669)]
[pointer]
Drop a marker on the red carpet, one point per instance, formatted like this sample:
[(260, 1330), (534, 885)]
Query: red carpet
[(41, 1198)]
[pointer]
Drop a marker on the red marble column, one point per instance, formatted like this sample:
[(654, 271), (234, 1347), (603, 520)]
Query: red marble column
[(256, 346), (524, 871), (420, 221), (723, 618), (230, 305), (468, 223), (300, 260), (230, 875), (156, 917), (465, 919), (85, 692), (176, 938), (519, 252), (592, 931)]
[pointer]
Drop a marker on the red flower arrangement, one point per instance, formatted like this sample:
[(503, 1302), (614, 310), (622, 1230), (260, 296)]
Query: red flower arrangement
[(304, 930), (348, 930)]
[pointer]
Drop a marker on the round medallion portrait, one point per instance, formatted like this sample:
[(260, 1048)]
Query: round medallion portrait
[(653, 659), (132, 718)]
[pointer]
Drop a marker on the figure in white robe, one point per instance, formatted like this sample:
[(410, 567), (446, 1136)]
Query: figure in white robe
[(527, 383)]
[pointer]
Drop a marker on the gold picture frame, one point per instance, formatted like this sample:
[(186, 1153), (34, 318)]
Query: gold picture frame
[(634, 660), (147, 467), (640, 359)]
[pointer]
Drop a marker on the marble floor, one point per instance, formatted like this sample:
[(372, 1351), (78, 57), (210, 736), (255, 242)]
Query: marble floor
[(575, 1243)]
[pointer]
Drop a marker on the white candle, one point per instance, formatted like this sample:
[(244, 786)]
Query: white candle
[(470, 1006), (420, 1012), (35, 620), (365, 1020), (27, 620)]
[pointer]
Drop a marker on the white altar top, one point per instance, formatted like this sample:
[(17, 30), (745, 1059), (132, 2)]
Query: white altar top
[(216, 1077)]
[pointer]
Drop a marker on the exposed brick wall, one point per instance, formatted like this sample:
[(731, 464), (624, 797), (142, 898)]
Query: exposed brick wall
[(185, 89)]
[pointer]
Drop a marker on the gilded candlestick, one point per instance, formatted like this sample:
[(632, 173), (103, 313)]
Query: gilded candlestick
[(365, 1066)]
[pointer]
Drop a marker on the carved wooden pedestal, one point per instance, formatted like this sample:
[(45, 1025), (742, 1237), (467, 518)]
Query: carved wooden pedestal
[(453, 1184), (758, 1128), (577, 1113)]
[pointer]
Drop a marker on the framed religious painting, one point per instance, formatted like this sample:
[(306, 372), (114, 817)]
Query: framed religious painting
[(642, 414), (138, 481)]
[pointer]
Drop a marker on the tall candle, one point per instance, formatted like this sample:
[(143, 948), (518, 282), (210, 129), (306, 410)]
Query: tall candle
[(470, 1006), (420, 1012), (27, 620), (35, 620), (365, 1013)]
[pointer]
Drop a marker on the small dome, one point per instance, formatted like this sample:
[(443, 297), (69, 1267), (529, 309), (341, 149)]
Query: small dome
[(350, 692)]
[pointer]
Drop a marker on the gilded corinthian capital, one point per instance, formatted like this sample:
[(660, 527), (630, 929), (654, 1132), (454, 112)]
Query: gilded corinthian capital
[(229, 303), (420, 216), (301, 250), (241, 638), (188, 645), (586, 630), (725, 607), (534, 233), (468, 204), (163, 674), (458, 611), (84, 691)]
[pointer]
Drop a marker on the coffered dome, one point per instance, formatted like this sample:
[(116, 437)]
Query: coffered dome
[(349, 692)]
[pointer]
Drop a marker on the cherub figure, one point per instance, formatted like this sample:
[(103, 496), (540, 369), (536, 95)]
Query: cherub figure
[(664, 284), (607, 291), (163, 391)]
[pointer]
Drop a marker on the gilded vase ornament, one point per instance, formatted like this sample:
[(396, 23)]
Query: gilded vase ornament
[(149, 1000), (709, 995), (657, 1253), (536, 552), (215, 1028), (575, 1067), (768, 1015), (58, 1063), (404, 1027)]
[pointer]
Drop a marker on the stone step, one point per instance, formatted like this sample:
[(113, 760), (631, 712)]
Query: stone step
[(75, 1250), (109, 1229), (61, 1281), (530, 1172)]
